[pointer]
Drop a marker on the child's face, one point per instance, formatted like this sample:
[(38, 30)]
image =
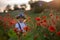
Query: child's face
[(21, 19)]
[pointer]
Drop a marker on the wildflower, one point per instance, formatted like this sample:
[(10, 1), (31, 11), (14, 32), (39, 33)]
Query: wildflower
[(57, 17), (58, 33), (51, 28), (44, 17), (26, 28), (5, 19), (50, 14), (38, 19), (15, 30), (12, 22), (44, 23)]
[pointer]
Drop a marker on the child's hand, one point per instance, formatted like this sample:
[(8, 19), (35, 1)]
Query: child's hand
[(25, 20), (28, 19)]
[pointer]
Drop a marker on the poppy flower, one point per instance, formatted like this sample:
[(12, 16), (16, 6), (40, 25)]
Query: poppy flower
[(26, 28), (58, 33), (57, 17), (5, 19), (44, 24), (50, 14), (51, 28), (15, 30), (38, 19), (44, 17), (41, 22), (45, 21), (12, 22)]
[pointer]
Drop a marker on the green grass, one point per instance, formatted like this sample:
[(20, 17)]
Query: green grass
[(32, 15)]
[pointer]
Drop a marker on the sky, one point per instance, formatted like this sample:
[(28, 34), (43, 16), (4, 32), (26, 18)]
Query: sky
[(3, 3)]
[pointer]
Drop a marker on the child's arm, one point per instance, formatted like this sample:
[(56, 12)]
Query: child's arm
[(25, 20)]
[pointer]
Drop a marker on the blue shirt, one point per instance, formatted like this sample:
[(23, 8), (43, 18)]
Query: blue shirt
[(22, 24)]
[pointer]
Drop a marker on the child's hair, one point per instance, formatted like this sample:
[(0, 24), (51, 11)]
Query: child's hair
[(18, 17), (21, 16)]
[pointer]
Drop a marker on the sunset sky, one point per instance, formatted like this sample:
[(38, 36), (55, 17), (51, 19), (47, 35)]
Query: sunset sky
[(3, 3)]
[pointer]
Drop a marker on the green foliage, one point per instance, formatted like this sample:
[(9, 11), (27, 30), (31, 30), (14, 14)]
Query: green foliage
[(12, 35)]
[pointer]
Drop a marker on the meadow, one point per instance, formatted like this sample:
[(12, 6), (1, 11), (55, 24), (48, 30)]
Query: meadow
[(40, 26)]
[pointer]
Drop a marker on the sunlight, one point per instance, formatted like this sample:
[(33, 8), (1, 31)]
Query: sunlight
[(47, 0)]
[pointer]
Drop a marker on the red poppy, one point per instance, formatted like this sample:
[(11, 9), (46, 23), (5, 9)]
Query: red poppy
[(57, 17), (51, 28), (5, 19), (38, 19), (41, 22), (58, 33), (45, 21), (50, 14), (26, 28), (15, 30), (44, 24), (12, 22), (44, 17)]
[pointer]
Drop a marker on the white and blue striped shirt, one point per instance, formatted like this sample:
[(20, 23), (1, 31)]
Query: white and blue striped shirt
[(22, 25)]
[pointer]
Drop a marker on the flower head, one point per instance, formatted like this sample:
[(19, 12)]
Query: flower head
[(58, 33), (51, 28), (26, 28), (12, 22), (44, 17), (15, 30), (38, 19)]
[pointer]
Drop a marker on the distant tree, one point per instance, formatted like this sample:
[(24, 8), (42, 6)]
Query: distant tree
[(8, 8), (16, 7), (23, 6), (38, 6)]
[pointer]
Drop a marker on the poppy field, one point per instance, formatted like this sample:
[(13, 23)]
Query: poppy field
[(40, 26)]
